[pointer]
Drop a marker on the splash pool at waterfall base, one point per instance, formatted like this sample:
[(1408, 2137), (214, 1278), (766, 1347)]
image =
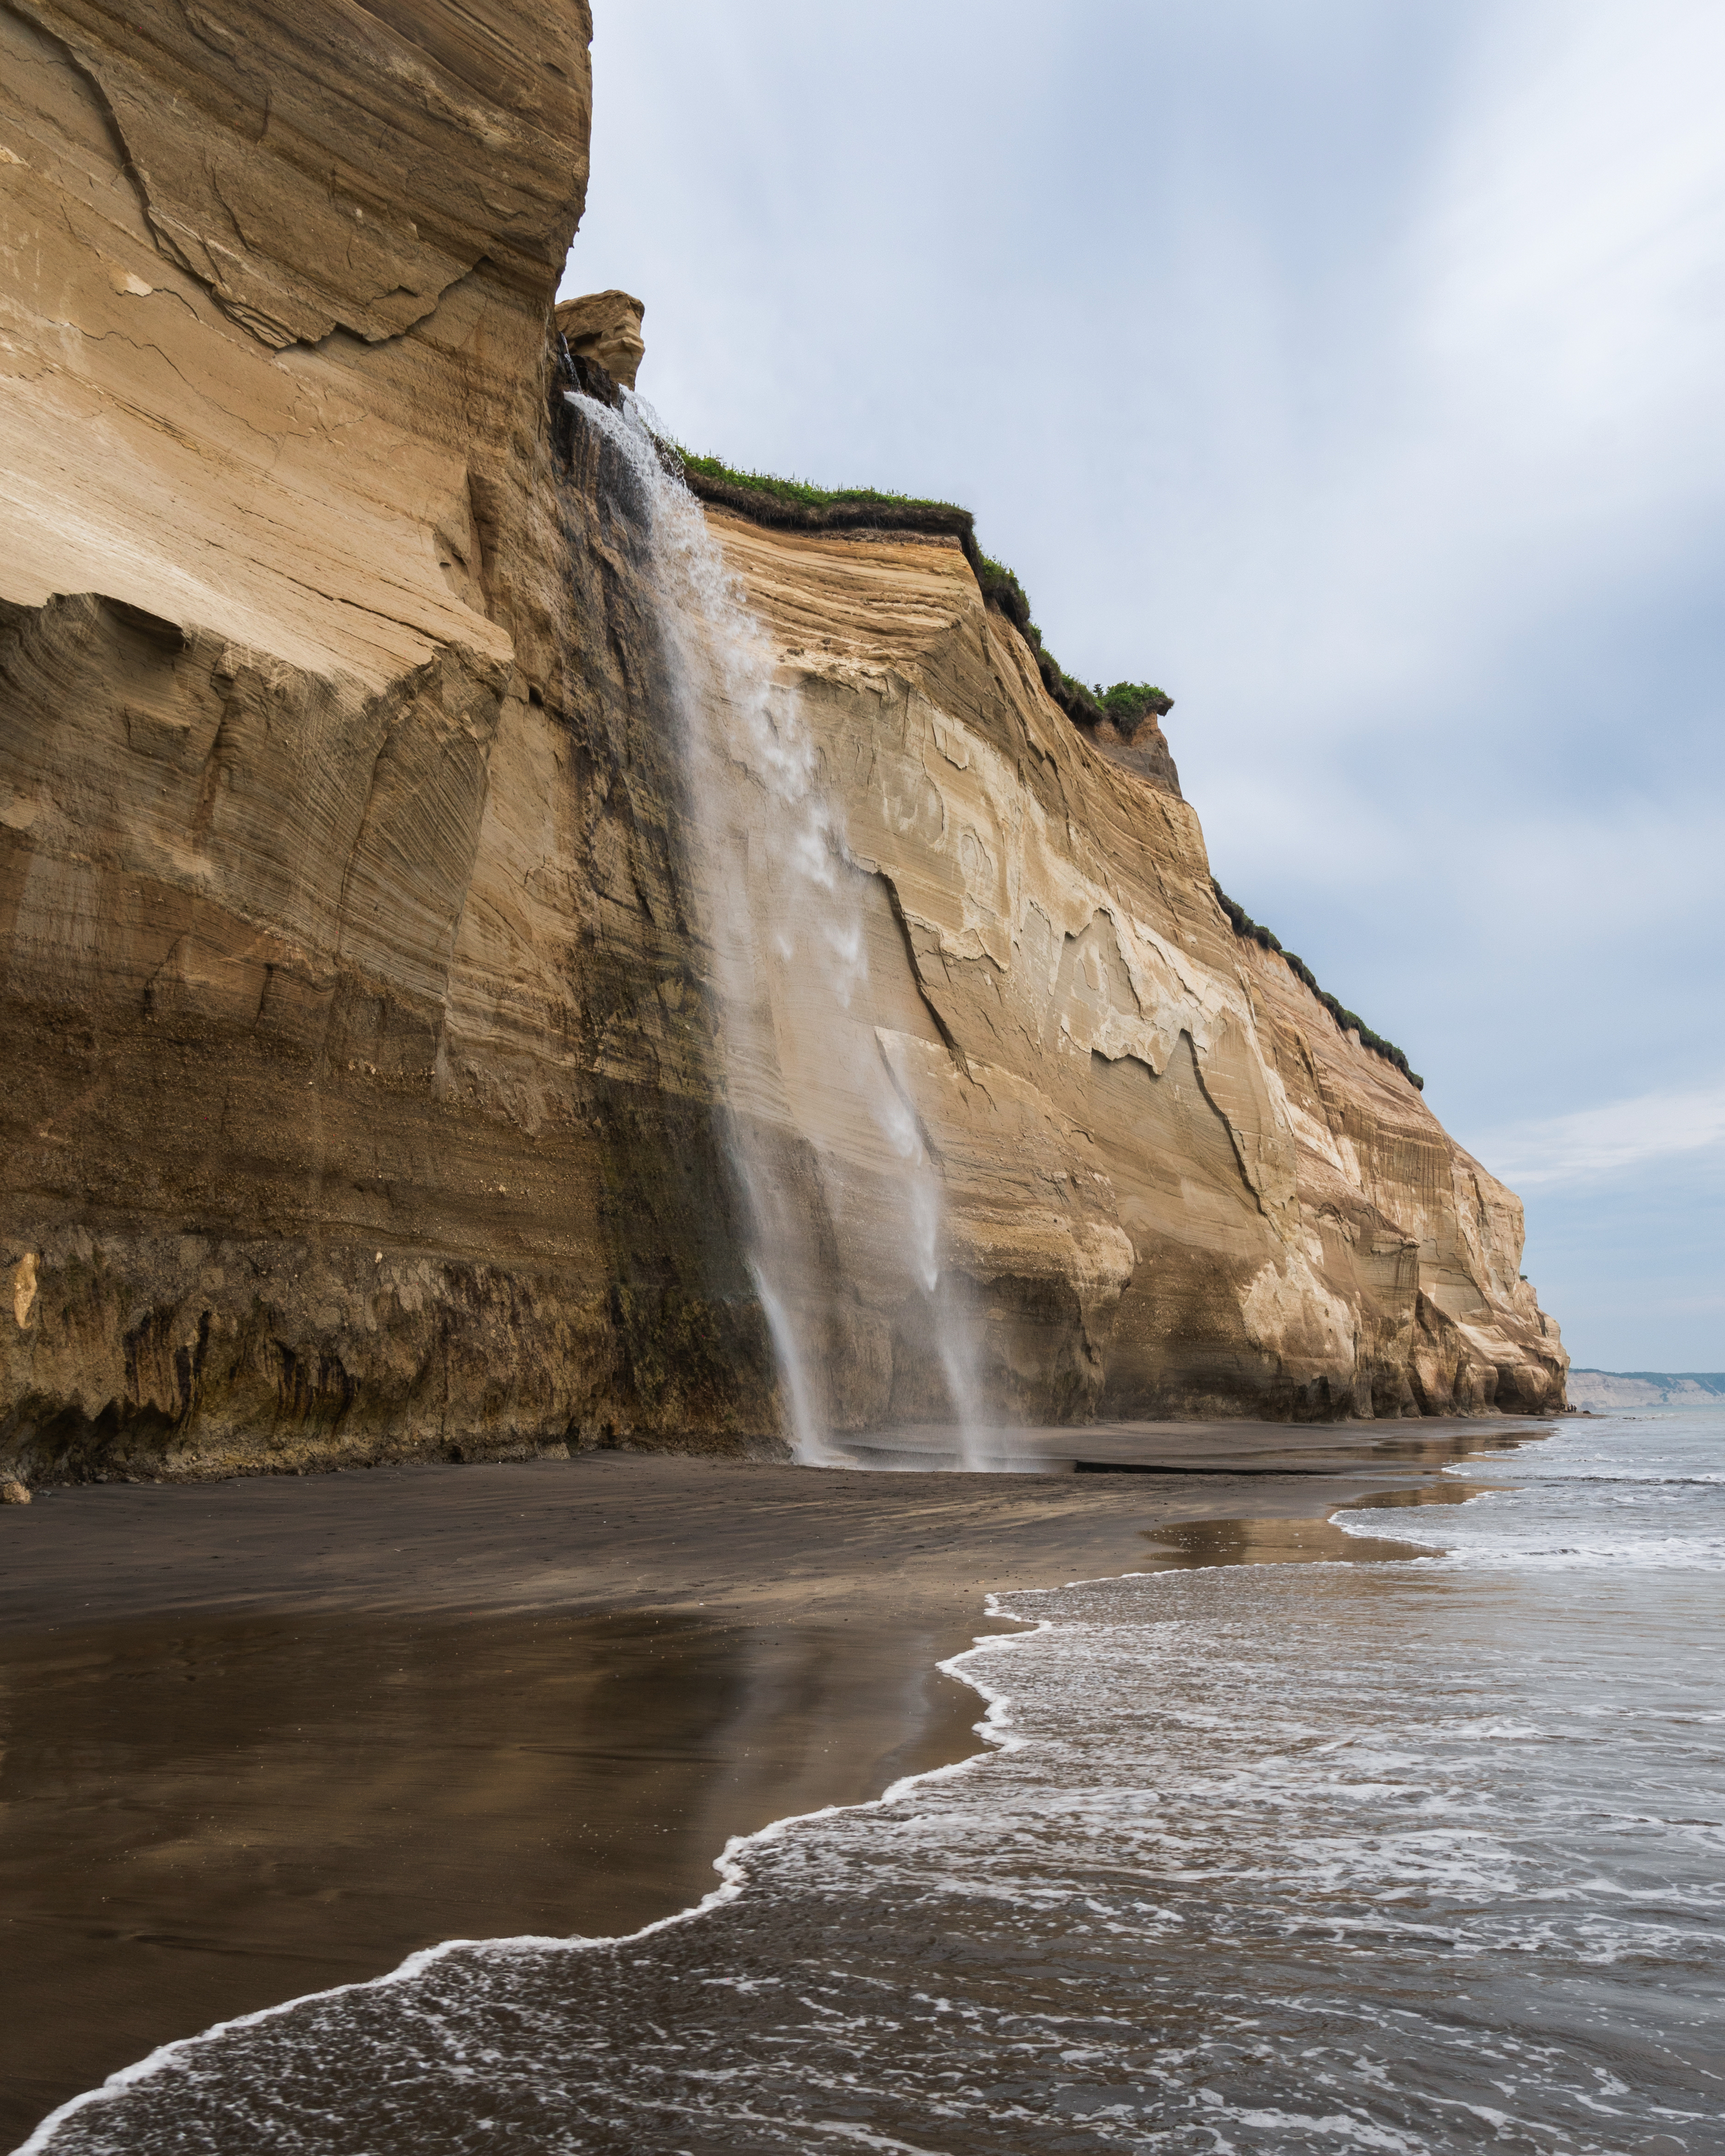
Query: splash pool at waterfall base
[(1416, 1853)]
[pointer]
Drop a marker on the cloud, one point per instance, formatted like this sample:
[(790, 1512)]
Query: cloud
[(1594, 1143), (1576, 241)]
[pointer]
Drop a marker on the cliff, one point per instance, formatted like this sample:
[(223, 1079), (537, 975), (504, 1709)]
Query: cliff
[(364, 1089), (1179, 1185)]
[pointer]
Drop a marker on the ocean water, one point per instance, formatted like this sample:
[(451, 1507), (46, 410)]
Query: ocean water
[(1392, 1856)]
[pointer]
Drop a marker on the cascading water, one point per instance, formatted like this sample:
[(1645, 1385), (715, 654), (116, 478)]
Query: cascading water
[(779, 905), (954, 1333)]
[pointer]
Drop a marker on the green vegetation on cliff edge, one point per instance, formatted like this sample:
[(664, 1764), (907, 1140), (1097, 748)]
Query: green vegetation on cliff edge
[(1243, 925), (802, 491)]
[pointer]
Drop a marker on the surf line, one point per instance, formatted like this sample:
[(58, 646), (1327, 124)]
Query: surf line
[(994, 1728)]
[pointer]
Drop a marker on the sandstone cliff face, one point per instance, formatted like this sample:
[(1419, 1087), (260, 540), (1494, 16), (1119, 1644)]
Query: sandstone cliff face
[(1176, 1186), (292, 894), (361, 1049), (606, 327)]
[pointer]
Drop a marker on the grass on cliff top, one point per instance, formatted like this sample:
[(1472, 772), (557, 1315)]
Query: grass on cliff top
[(802, 491), (1130, 703)]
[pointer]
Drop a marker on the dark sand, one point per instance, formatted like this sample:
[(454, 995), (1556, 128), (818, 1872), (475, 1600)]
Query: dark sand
[(267, 1736)]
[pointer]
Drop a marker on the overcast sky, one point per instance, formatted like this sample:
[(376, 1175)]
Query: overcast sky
[(1355, 369)]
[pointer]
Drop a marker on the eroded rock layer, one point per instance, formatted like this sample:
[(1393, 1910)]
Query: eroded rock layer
[(361, 1052)]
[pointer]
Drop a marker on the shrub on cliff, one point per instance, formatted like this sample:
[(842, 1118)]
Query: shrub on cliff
[(1128, 704)]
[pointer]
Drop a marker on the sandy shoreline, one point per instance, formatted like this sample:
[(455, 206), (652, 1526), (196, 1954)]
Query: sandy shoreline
[(266, 1735)]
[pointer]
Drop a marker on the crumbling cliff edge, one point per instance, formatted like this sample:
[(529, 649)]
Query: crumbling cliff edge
[(360, 1046)]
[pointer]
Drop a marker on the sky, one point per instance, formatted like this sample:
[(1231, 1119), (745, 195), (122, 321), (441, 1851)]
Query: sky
[(1355, 370)]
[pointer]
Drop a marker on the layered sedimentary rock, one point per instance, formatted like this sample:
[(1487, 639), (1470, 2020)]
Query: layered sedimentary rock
[(1177, 1185), (604, 327), (308, 1146), (362, 1052)]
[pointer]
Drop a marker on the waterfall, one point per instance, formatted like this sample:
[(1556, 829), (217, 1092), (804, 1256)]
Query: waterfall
[(843, 1203), (954, 1334)]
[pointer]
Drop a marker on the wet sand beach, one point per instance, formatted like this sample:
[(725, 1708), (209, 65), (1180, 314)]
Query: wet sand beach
[(265, 1736)]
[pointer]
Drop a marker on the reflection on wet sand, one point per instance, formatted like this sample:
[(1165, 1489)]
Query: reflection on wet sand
[(207, 1816), (374, 1723), (1185, 1448), (1186, 1545)]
